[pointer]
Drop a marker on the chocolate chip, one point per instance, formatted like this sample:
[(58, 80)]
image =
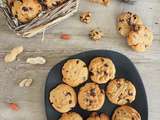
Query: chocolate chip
[(106, 65), (25, 9), (93, 92), (119, 28), (121, 20), (106, 73), (102, 59), (84, 66), (77, 61), (67, 94), (70, 101), (16, 16), (30, 8)]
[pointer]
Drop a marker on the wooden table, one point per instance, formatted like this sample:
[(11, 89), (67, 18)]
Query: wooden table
[(31, 100)]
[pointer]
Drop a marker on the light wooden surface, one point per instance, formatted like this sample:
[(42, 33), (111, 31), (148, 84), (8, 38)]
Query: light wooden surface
[(54, 49)]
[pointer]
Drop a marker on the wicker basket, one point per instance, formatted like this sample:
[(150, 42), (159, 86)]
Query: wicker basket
[(42, 21)]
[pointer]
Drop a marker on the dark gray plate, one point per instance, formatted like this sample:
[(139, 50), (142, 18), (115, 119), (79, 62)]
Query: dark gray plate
[(125, 68)]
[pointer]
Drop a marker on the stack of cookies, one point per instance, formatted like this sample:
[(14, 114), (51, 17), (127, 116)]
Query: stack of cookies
[(138, 35), (27, 10), (91, 96)]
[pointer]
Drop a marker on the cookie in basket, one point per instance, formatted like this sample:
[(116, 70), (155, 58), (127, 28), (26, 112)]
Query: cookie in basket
[(95, 116), (102, 70), (140, 38), (125, 21), (75, 72), (126, 113), (54, 3), (121, 91), (91, 97), (71, 116), (25, 10), (63, 98)]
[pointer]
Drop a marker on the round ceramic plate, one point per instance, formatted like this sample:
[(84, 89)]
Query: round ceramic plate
[(124, 67)]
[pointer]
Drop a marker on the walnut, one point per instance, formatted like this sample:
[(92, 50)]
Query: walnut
[(85, 17), (102, 2), (95, 34)]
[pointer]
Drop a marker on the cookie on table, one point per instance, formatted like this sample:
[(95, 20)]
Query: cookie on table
[(70, 116), (26, 10), (91, 97), (54, 3), (63, 98), (75, 72), (125, 22), (140, 38), (102, 2), (121, 91), (95, 116), (102, 70), (126, 113)]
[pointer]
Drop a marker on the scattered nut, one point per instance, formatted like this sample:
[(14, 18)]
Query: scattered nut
[(13, 54), (36, 60), (95, 34), (102, 2), (85, 17), (25, 83)]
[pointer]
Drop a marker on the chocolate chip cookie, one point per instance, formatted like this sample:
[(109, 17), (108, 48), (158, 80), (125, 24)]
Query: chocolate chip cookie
[(71, 116), (25, 10), (75, 72), (63, 98), (140, 38), (125, 22), (91, 97), (121, 91), (102, 70), (126, 113), (54, 3), (95, 116)]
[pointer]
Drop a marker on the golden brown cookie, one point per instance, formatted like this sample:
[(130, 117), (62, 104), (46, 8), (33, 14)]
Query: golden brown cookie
[(75, 72), (71, 116), (121, 91), (125, 22), (102, 2), (54, 3), (63, 98), (95, 116), (91, 97), (126, 113), (140, 38), (102, 70), (26, 10)]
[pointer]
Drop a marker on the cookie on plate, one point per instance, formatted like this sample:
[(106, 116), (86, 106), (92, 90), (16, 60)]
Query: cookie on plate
[(121, 91), (75, 72), (91, 97), (54, 3), (126, 113), (63, 98), (140, 38), (125, 22), (102, 70), (71, 116), (95, 116), (25, 10)]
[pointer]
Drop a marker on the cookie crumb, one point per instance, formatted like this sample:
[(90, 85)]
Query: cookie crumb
[(10, 57), (25, 83), (85, 17), (95, 34)]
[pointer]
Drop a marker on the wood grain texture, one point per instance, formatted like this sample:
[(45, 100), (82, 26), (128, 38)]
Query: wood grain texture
[(54, 49)]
